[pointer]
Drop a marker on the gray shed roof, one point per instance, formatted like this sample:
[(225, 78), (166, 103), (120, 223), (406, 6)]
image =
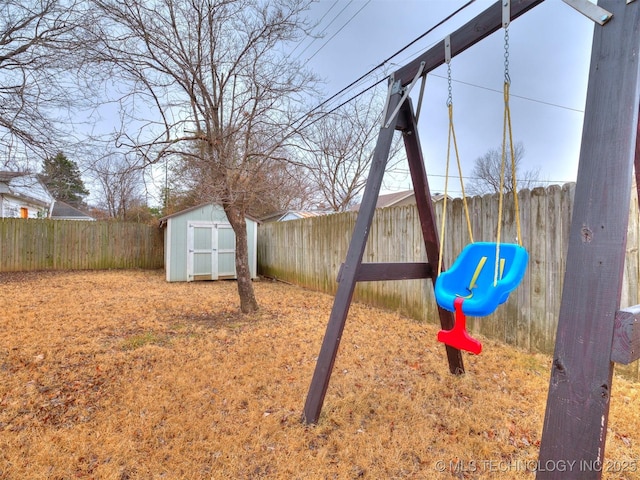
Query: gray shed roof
[(163, 220)]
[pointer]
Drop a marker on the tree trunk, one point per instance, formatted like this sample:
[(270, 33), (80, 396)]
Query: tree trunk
[(248, 302)]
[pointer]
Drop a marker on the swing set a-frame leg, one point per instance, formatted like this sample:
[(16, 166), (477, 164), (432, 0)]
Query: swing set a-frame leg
[(348, 273), (408, 125), (352, 265)]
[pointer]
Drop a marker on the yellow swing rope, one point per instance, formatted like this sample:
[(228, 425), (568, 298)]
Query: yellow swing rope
[(452, 136), (514, 183), (506, 129), (506, 133)]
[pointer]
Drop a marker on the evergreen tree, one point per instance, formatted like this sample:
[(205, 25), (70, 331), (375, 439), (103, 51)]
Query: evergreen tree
[(63, 179)]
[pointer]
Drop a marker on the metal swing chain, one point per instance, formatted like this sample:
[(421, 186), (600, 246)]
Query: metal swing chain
[(507, 79), (506, 119), (450, 97), (451, 138)]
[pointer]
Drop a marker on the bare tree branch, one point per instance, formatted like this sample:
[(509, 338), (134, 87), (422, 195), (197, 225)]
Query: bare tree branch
[(39, 49)]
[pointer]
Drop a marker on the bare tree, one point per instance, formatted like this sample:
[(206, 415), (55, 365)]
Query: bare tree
[(283, 186), (215, 73), (338, 149), (487, 169), (289, 187), (38, 50), (119, 185)]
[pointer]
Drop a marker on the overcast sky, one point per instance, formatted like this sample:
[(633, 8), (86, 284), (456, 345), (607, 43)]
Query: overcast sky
[(550, 49)]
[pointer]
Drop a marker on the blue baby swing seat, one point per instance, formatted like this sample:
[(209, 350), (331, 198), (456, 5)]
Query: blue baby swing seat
[(472, 277)]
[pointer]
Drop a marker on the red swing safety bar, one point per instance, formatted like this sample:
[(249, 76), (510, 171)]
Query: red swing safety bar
[(458, 337)]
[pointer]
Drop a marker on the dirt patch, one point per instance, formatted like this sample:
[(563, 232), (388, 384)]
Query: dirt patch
[(120, 375)]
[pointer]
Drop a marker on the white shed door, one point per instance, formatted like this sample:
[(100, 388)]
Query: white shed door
[(202, 251), (226, 251)]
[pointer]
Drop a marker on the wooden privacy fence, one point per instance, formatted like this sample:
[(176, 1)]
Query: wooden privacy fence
[(77, 245), (309, 252)]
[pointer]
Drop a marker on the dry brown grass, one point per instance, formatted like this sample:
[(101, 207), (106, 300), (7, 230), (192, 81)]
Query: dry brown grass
[(119, 375)]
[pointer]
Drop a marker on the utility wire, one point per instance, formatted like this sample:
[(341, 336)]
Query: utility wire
[(403, 171), (387, 60), (380, 65), (522, 97), (326, 114), (337, 32), (325, 28), (512, 95)]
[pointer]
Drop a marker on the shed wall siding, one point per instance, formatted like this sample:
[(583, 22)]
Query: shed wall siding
[(176, 242)]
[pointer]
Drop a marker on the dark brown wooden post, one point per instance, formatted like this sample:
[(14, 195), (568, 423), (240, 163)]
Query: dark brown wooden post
[(350, 267), (409, 128), (575, 424)]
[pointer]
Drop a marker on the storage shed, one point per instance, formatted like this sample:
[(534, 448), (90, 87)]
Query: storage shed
[(199, 244)]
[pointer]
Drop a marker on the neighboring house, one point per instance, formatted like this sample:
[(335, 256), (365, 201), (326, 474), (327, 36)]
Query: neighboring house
[(399, 199), (24, 195), (292, 215), (64, 211), (199, 244)]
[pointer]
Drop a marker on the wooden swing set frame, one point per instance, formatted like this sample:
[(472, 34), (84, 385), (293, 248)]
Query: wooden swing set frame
[(593, 332)]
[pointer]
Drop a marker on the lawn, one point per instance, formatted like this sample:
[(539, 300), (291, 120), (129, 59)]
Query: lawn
[(120, 375)]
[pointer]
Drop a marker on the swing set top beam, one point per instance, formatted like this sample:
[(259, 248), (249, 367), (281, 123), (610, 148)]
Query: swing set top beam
[(474, 31)]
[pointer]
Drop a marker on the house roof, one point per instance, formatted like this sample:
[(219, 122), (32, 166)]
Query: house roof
[(64, 211), (388, 200), (439, 196), (272, 217), (294, 214), (27, 186), (393, 199), (306, 214)]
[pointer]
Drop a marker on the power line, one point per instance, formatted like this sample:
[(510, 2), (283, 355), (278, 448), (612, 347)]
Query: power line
[(325, 28), (542, 102), (326, 114), (511, 94), (339, 30), (382, 64), (464, 177)]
